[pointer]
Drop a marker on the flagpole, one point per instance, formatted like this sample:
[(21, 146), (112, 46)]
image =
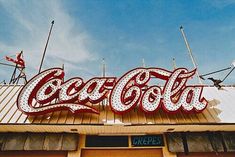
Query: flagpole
[(44, 52), (190, 54)]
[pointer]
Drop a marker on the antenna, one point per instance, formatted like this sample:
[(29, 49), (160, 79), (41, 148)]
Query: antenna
[(63, 66), (190, 53), (143, 63), (174, 63), (104, 102), (103, 67), (44, 52), (63, 69)]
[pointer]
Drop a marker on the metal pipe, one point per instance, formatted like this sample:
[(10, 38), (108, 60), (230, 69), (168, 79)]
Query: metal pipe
[(215, 71), (7, 64), (190, 53), (44, 52), (103, 67), (143, 63), (174, 63), (228, 74)]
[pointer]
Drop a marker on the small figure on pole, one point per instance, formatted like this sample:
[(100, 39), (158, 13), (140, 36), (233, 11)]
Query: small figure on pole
[(19, 66), (19, 60)]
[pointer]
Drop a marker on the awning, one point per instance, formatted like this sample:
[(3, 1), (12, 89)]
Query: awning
[(201, 142), (39, 141)]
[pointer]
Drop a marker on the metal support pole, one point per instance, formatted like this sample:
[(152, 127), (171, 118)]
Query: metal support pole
[(216, 71), (103, 67), (190, 54), (174, 63), (228, 74), (7, 64), (143, 63), (44, 52)]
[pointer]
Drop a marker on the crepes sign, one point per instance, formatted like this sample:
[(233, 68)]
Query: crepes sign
[(48, 92)]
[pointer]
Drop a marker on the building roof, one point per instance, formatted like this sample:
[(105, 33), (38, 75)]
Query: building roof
[(220, 110)]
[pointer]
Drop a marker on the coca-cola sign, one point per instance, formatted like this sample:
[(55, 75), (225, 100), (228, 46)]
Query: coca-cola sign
[(48, 92)]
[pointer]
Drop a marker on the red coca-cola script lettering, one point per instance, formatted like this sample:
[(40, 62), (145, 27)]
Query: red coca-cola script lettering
[(47, 92)]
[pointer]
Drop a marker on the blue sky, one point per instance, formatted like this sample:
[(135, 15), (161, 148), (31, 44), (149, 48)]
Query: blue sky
[(121, 31)]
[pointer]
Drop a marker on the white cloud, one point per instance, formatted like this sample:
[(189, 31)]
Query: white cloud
[(69, 43)]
